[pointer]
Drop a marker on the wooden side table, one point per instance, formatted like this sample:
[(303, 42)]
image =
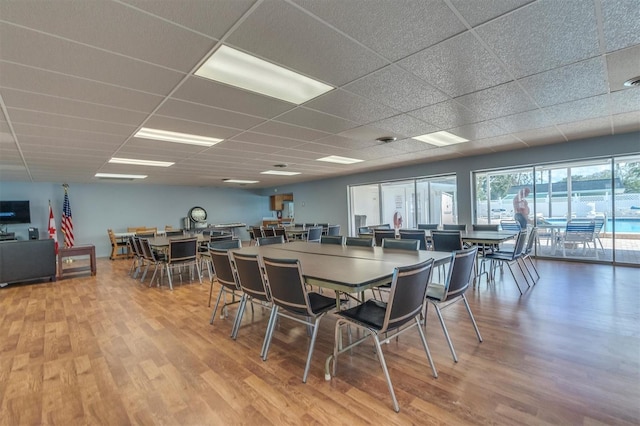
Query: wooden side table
[(86, 250)]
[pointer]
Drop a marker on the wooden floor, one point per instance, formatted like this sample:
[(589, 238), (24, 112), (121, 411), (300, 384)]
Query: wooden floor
[(109, 350)]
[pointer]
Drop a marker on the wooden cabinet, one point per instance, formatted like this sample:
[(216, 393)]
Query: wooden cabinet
[(276, 201)]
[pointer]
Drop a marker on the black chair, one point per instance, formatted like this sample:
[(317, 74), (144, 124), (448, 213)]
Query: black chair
[(385, 321), (265, 241), (392, 243), (313, 234), (446, 241), (428, 226), (251, 280), (333, 230), (380, 234), (361, 242), (364, 230), (280, 231), (182, 252), (332, 239), (454, 227), (255, 232), (483, 227), (289, 293), (222, 245), (309, 225), (456, 284), (526, 254), (268, 232), (415, 234), (177, 233), (226, 277), (145, 234), (324, 226), (151, 257), (203, 249), (138, 257), (509, 258)]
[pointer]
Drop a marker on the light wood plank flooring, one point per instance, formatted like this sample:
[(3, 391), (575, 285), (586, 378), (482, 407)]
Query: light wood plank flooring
[(110, 350)]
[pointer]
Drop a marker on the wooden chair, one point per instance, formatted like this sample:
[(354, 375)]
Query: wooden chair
[(119, 248)]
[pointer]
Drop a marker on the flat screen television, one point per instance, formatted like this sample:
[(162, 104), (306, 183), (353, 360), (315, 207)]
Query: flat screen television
[(14, 212)]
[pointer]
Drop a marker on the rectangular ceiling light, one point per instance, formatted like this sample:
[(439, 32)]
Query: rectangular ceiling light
[(119, 176), (167, 136), (339, 160), (441, 138), (230, 66), (135, 162), (240, 181), (279, 172)]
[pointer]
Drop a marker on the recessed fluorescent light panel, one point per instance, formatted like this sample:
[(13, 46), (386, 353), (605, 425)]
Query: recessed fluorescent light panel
[(230, 66), (135, 162), (441, 138), (240, 181), (339, 160), (279, 172), (119, 176), (167, 136)]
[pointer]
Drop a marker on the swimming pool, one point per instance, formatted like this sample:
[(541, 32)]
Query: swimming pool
[(624, 225)]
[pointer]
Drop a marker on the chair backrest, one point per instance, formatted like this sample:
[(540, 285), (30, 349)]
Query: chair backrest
[(133, 243), (223, 268), (145, 249), (599, 224), (581, 226), (428, 226), (183, 250), (521, 241), (531, 241), (314, 233), (225, 244), (281, 231), (174, 233), (407, 294), (309, 225), (145, 234), (364, 230), (250, 277), (361, 242), (482, 227), (460, 271), (382, 226), (223, 237), (287, 285), (454, 227), (380, 234), (265, 241), (332, 239), (446, 241), (112, 237), (415, 234), (324, 226), (268, 232), (510, 225), (333, 230), (255, 232), (392, 243)]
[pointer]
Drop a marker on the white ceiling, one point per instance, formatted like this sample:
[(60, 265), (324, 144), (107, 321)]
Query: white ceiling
[(78, 78)]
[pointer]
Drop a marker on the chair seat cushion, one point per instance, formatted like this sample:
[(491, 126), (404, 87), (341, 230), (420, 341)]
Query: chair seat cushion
[(370, 313), (320, 303), (435, 291), (506, 256)]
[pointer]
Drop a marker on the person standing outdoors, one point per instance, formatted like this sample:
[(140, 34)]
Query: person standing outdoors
[(521, 207)]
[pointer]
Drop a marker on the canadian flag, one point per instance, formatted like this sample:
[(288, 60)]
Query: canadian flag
[(53, 233)]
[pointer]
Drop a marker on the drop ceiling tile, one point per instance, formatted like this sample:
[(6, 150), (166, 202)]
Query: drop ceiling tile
[(392, 31), (543, 35), (533, 119), (456, 66), (183, 126), (23, 130), (314, 151), (476, 12), (368, 134), (114, 27), (396, 88), (579, 110), (621, 23), (287, 131), (268, 140), (545, 136), (206, 92), (303, 44), (478, 131), (623, 65), (351, 107), (37, 50), (446, 115), (67, 87), (488, 144), (625, 100), (29, 142), (213, 18), (204, 114), (410, 145), (587, 128), (576, 81), (316, 120), (66, 122), (54, 105), (498, 101), (349, 143), (405, 125), (140, 145), (625, 123)]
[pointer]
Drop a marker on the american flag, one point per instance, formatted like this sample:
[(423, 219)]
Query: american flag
[(67, 221)]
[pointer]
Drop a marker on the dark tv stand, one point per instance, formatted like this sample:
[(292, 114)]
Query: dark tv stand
[(7, 236)]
